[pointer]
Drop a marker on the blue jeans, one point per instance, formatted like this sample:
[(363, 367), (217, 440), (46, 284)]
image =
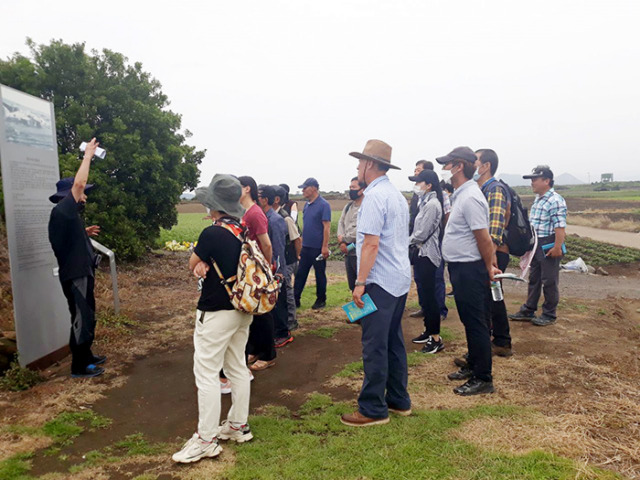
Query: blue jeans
[(384, 356), (308, 257)]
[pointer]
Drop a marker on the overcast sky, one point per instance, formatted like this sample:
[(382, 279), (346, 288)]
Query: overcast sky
[(285, 89)]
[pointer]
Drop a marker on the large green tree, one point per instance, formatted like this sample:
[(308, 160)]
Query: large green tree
[(148, 164)]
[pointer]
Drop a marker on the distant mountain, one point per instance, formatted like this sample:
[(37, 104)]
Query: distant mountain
[(513, 180), (187, 196), (568, 179), (517, 180)]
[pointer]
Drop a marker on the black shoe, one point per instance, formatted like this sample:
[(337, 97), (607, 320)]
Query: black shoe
[(461, 374), (422, 338), (522, 316), (432, 346), (543, 320), (418, 314), (89, 371), (318, 305), (99, 359), (462, 362), (474, 386)]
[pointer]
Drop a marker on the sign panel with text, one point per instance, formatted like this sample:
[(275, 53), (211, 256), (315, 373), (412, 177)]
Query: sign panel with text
[(29, 159)]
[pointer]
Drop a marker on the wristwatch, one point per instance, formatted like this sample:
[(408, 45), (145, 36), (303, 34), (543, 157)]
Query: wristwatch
[(360, 284)]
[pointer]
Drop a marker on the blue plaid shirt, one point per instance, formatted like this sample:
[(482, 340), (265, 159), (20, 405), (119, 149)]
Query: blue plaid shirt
[(548, 212)]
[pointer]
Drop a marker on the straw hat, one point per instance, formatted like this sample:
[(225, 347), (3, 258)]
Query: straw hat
[(378, 151)]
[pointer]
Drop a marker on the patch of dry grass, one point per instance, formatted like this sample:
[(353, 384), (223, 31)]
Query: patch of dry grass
[(605, 222)]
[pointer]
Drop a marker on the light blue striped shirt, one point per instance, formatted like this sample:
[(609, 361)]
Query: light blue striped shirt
[(385, 213)]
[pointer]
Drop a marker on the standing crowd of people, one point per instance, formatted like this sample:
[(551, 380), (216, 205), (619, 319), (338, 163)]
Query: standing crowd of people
[(462, 225)]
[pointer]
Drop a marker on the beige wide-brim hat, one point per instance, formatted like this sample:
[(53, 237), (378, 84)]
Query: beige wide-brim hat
[(378, 151)]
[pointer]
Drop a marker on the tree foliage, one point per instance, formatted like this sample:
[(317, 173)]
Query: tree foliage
[(148, 164)]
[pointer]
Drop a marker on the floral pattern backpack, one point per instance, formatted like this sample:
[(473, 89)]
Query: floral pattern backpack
[(254, 289)]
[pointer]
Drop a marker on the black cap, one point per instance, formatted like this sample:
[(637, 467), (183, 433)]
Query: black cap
[(63, 187), (458, 153), (310, 182), (279, 192), (541, 171), (426, 176)]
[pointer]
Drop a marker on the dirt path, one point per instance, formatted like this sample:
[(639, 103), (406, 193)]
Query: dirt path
[(593, 390), (625, 239)]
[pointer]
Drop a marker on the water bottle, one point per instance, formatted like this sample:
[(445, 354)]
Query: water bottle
[(351, 247), (100, 152), (320, 257), (496, 291)]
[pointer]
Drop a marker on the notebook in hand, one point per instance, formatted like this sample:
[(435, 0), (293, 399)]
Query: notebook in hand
[(354, 313)]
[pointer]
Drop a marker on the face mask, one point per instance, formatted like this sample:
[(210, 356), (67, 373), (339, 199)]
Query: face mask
[(476, 176), (417, 189), (353, 194)]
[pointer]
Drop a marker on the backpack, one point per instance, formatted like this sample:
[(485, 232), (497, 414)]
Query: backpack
[(254, 289), (519, 235)]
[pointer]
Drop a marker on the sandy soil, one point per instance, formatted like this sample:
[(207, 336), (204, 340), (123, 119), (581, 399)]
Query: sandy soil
[(625, 239), (585, 367)]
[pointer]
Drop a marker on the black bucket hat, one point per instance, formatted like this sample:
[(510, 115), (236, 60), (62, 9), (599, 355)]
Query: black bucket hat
[(63, 187)]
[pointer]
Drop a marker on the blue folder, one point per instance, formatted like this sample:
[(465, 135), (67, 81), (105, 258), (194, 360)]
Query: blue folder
[(354, 313)]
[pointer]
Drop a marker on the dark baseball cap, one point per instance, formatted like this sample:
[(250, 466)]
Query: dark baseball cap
[(63, 188), (279, 192), (426, 176), (267, 191), (458, 153), (541, 171), (310, 182)]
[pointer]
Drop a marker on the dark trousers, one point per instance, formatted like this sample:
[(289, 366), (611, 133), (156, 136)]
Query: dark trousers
[(497, 311), (308, 257), (470, 282), (419, 287), (384, 356), (351, 265), (425, 270), (441, 290), (82, 306), (543, 276), (260, 342), (281, 315)]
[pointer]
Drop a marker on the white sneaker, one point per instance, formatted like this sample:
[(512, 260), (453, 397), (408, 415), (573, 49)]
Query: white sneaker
[(240, 434), (225, 387), (195, 449)]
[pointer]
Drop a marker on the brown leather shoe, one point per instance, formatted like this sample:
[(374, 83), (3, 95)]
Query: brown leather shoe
[(356, 419), (402, 413), (501, 351)]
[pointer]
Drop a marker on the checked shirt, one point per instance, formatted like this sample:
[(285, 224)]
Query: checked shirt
[(494, 193), (548, 212)]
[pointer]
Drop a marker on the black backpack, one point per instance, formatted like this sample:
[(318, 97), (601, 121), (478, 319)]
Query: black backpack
[(518, 234)]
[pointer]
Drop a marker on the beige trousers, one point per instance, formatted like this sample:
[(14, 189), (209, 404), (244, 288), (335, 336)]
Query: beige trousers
[(219, 341)]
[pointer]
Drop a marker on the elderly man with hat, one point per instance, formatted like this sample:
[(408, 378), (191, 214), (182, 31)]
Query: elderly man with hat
[(384, 272), (221, 332), (316, 228), (468, 250), (77, 261), (549, 219)]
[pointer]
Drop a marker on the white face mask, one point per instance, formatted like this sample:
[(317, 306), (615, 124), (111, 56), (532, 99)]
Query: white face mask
[(476, 176), (417, 189)]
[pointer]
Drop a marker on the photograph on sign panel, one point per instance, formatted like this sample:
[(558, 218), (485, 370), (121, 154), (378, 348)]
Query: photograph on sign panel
[(27, 120)]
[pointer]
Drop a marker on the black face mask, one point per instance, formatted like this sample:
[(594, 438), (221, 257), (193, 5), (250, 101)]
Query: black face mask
[(353, 194), (81, 206)]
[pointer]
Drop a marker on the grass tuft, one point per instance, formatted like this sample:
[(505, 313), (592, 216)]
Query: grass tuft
[(66, 426), (16, 467), (17, 378)]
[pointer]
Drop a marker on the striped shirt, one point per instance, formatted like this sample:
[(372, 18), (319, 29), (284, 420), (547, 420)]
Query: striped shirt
[(548, 212), (384, 213), (494, 194)]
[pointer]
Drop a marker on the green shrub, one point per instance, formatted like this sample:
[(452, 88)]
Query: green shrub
[(17, 378)]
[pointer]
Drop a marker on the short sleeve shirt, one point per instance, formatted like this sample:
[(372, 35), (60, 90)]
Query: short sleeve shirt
[(548, 212), (70, 241), (469, 212), (385, 213), (255, 221), (220, 244), (315, 213)]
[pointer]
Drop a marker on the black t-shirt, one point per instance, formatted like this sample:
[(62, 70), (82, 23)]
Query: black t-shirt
[(220, 244), (70, 241)]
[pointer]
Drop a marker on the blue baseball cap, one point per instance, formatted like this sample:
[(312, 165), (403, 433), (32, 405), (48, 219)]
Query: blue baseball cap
[(310, 182)]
